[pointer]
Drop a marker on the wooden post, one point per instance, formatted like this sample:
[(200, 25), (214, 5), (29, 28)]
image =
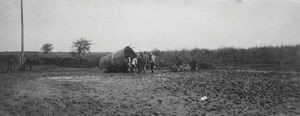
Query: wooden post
[(22, 38)]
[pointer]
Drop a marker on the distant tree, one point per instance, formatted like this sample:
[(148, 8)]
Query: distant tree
[(81, 46), (47, 48), (239, 1), (73, 53)]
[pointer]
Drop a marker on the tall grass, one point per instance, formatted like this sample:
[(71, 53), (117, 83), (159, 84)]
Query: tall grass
[(267, 57)]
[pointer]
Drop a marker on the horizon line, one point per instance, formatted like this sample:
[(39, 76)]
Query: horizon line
[(222, 47)]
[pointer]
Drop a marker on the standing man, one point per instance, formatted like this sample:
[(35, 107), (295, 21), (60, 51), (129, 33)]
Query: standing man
[(134, 63), (27, 63), (152, 62), (144, 62), (10, 63), (139, 64), (193, 65), (129, 64)]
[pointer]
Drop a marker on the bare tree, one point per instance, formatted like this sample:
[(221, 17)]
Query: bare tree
[(47, 48), (81, 46)]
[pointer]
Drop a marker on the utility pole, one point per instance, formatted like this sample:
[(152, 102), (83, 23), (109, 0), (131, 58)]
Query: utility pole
[(22, 37)]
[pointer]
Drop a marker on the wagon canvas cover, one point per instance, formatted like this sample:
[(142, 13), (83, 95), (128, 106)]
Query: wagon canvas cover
[(116, 62)]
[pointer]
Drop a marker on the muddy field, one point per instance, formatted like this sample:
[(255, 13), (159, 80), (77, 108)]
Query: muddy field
[(67, 91)]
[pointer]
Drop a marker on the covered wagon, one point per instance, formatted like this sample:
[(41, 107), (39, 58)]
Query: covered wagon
[(116, 62)]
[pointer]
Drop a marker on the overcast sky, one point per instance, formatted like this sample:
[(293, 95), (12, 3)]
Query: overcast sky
[(150, 24)]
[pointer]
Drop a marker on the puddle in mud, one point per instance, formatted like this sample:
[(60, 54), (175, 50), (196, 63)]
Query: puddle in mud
[(69, 77), (57, 78), (61, 77)]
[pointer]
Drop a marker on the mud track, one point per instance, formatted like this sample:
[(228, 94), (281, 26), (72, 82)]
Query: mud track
[(81, 92), (88, 92)]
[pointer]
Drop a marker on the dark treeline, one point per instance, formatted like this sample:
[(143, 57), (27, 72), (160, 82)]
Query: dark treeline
[(268, 57), (63, 59), (88, 60)]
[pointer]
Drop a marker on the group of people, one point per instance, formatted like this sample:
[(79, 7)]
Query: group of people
[(27, 63), (141, 62)]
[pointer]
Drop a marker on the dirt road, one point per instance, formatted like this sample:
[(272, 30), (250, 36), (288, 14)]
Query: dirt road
[(79, 92), (89, 92)]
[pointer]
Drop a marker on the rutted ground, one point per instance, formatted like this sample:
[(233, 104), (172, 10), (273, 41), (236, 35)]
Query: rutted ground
[(88, 92), (62, 93)]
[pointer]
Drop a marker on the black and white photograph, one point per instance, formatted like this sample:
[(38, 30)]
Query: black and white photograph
[(149, 57)]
